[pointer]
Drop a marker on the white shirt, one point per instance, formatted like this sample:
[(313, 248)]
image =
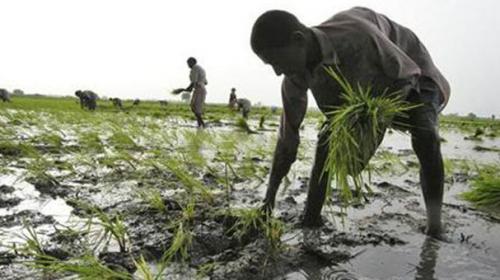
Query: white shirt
[(197, 75)]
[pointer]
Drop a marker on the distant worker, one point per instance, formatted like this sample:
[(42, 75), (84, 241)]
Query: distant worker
[(117, 102), (136, 102), (198, 79), (4, 95), (88, 99), (242, 104)]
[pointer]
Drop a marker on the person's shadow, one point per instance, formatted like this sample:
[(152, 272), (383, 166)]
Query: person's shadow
[(428, 258)]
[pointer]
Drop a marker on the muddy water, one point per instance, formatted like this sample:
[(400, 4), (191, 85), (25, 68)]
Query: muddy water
[(473, 248), (381, 239)]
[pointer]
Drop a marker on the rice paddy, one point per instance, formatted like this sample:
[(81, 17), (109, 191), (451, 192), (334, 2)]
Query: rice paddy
[(140, 193)]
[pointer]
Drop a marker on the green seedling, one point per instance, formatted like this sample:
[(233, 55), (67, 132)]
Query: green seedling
[(355, 130), (253, 220), (485, 192), (243, 124), (154, 199)]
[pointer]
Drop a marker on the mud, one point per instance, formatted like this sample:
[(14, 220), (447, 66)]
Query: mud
[(33, 217), (380, 238)]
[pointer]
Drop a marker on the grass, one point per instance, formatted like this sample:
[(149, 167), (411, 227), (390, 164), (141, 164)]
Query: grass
[(253, 220), (86, 267), (191, 184), (154, 199), (112, 227), (485, 192), (243, 124), (355, 130)]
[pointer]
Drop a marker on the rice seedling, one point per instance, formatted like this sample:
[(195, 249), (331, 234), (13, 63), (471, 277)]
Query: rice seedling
[(243, 124), (355, 130), (112, 227), (118, 157), (387, 161), (33, 246), (253, 221), (154, 199), (13, 149), (121, 140), (192, 154), (86, 267), (205, 269), (144, 270), (191, 184), (485, 192), (180, 243), (91, 142)]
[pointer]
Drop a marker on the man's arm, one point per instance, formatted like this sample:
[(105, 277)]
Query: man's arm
[(294, 99)]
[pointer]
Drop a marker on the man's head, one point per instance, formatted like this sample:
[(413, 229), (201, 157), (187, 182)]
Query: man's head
[(279, 39), (191, 62), (233, 90)]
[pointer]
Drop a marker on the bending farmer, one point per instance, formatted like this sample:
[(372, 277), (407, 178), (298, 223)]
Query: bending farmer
[(369, 49)]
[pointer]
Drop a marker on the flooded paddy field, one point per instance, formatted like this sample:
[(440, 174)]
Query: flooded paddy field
[(141, 193)]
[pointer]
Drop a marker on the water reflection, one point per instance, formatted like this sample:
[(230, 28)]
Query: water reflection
[(428, 258)]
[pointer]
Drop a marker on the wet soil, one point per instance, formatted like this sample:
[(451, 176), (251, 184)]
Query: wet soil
[(381, 238)]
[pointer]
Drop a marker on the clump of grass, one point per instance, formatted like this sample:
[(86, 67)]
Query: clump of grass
[(253, 220), (145, 272), (12, 149), (112, 227), (180, 243), (191, 184), (154, 199), (91, 141), (121, 140), (86, 267), (355, 129), (243, 124), (485, 192)]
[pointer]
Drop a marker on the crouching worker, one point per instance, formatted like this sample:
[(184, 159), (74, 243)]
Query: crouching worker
[(117, 102), (4, 95), (88, 99), (241, 104), (369, 49), (198, 80)]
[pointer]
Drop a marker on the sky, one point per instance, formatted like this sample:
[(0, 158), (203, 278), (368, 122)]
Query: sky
[(138, 49)]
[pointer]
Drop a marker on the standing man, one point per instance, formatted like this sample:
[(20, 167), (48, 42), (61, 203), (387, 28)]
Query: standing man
[(369, 49), (198, 80)]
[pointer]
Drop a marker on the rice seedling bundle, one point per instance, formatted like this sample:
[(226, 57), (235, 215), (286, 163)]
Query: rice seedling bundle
[(485, 192), (355, 129)]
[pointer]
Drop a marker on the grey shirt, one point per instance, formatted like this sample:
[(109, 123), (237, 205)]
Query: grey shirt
[(197, 75), (244, 103), (369, 49)]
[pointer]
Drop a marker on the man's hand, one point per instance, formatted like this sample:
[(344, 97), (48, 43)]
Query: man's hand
[(178, 91)]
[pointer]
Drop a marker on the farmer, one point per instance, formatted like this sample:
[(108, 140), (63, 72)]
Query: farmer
[(88, 99), (370, 49), (242, 104), (198, 80), (117, 102), (4, 95)]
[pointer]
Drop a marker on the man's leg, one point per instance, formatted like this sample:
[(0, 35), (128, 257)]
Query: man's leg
[(317, 184), (197, 103), (426, 144)]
